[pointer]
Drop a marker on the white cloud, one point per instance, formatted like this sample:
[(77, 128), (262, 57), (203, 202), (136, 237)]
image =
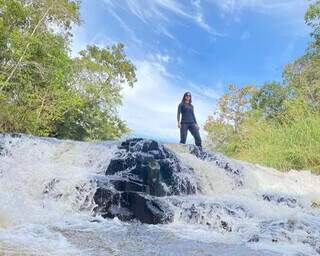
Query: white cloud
[(198, 17), (126, 28), (205, 91), (289, 12), (162, 29), (150, 108), (260, 5), (157, 11), (293, 10), (163, 57)]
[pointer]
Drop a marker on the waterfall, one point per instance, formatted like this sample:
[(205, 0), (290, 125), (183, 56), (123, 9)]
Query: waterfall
[(47, 205), (44, 181)]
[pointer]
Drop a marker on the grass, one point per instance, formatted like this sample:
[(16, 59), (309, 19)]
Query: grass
[(296, 146)]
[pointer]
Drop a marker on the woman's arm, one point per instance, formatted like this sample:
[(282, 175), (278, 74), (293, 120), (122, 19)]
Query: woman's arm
[(194, 116), (178, 113)]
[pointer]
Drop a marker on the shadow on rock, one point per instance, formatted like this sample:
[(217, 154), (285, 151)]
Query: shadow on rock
[(139, 177)]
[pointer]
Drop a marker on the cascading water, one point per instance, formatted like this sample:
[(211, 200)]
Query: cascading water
[(45, 183), (258, 206), (47, 188)]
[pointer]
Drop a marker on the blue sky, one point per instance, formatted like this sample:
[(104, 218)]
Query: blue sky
[(192, 45)]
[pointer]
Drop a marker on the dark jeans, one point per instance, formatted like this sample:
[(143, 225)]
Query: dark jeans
[(194, 131)]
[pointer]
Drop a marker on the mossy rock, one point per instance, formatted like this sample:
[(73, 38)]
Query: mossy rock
[(315, 203)]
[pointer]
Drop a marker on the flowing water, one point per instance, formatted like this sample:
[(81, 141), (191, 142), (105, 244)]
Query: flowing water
[(46, 193)]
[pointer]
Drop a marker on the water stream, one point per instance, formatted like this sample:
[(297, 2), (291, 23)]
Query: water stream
[(46, 202)]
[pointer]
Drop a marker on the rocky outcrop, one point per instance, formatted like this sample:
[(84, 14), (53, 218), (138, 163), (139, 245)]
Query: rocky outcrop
[(141, 173), (281, 199), (221, 161)]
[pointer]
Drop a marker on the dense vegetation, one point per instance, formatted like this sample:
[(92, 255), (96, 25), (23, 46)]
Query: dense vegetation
[(276, 124), (46, 92)]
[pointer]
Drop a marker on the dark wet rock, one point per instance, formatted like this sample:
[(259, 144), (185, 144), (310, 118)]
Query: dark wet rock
[(213, 215), (132, 205), (225, 226), (119, 164), (282, 230), (10, 139), (13, 135), (220, 160), (289, 201), (82, 193), (141, 172), (127, 185), (315, 204), (2, 150), (95, 221), (50, 189), (147, 209), (149, 163), (254, 239)]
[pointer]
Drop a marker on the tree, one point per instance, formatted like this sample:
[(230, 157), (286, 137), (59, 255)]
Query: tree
[(224, 133), (220, 135), (233, 105), (99, 74), (269, 99), (35, 64), (277, 124), (302, 78), (23, 23), (43, 91), (312, 19)]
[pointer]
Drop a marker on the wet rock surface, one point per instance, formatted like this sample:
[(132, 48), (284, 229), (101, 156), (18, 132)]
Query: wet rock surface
[(221, 161), (216, 216), (290, 231), (286, 200), (52, 180), (141, 173)]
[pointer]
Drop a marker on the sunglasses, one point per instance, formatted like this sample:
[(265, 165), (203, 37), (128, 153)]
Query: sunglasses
[(189, 95)]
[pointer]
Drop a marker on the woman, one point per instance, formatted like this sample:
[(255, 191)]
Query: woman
[(188, 120)]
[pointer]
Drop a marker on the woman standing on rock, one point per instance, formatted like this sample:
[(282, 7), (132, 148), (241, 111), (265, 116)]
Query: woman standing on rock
[(188, 120)]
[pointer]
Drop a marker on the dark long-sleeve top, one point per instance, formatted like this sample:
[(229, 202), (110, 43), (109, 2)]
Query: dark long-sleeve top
[(187, 112)]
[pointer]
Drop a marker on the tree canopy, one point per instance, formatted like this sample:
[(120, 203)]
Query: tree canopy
[(46, 92), (276, 124)]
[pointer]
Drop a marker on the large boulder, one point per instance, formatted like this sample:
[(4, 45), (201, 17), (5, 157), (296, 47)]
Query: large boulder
[(138, 178)]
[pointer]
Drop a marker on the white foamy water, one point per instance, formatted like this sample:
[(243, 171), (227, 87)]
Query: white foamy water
[(46, 207), (44, 183), (271, 206)]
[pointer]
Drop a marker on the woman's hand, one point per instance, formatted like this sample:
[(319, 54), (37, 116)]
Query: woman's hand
[(179, 125), (197, 126)]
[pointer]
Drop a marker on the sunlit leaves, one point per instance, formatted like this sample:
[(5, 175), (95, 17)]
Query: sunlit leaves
[(43, 91)]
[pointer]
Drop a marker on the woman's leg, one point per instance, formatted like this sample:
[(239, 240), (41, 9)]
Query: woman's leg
[(195, 133), (183, 133)]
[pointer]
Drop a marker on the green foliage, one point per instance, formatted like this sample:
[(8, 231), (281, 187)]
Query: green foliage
[(99, 74), (232, 105), (289, 141), (279, 127), (221, 135), (284, 147), (303, 79), (269, 99), (43, 91), (312, 19)]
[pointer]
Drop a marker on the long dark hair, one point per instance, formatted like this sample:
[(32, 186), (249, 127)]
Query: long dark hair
[(184, 96)]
